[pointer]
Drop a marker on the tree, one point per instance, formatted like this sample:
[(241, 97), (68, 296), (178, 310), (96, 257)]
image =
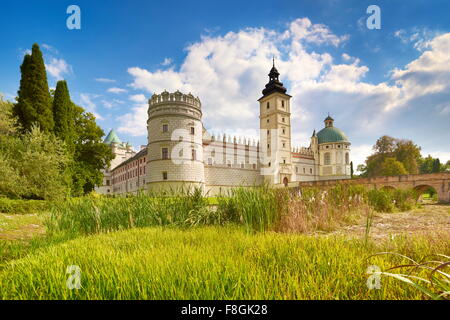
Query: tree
[(34, 102), (426, 164), (63, 113), (392, 167), (408, 154), (8, 124), (351, 169), (403, 151), (91, 155), (436, 166)]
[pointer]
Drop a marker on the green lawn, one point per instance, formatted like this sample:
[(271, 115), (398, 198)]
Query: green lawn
[(211, 263)]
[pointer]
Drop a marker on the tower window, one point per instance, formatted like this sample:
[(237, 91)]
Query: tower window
[(165, 128), (284, 161), (268, 105), (268, 132), (347, 160), (213, 153), (304, 170), (164, 174), (284, 131), (267, 120), (165, 153), (284, 145), (192, 130), (282, 119), (194, 154), (282, 103), (210, 161), (310, 170), (268, 146), (296, 169)]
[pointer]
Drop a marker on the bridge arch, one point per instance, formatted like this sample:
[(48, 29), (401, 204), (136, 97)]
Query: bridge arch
[(426, 191)]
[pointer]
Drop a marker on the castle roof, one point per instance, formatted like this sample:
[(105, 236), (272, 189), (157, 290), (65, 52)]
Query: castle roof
[(330, 135), (274, 84), (112, 137)]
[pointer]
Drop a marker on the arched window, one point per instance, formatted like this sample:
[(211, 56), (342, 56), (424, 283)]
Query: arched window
[(347, 159), (327, 158)]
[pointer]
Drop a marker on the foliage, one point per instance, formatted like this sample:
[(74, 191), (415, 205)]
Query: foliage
[(403, 151), (20, 206), (90, 156), (392, 167), (33, 106), (63, 113), (34, 166), (8, 124)]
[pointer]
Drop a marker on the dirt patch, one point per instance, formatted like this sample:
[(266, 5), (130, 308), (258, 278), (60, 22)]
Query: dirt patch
[(20, 227), (430, 219)]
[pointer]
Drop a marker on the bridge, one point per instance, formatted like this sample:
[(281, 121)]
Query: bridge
[(420, 182)]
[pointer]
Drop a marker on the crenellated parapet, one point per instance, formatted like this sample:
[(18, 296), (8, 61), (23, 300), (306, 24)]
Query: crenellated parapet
[(176, 103)]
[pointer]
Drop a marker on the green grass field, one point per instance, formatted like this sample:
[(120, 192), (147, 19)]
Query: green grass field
[(211, 263)]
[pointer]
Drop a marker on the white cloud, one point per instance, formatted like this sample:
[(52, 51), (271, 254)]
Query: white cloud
[(107, 104), (359, 153), (50, 48), (58, 67), (105, 80), (139, 98), (131, 123), (89, 105), (117, 90), (166, 62)]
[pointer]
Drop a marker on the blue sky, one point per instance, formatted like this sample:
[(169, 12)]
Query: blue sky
[(394, 81)]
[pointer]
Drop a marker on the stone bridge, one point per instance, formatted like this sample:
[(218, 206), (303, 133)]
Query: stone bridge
[(420, 182)]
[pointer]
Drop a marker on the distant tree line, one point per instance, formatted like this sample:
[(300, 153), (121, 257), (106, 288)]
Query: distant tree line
[(394, 156), (49, 147)]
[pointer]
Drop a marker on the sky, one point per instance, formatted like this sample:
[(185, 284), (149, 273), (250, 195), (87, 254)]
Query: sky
[(394, 80)]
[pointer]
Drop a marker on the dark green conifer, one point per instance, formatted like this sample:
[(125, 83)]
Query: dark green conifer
[(34, 102)]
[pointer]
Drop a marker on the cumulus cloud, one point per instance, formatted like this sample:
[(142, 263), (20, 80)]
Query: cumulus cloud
[(139, 98), (58, 67), (117, 90), (228, 73), (105, 80), (166, 62), (89, 105)]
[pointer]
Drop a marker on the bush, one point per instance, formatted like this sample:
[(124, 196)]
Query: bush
[(381, 200), (23, 206)]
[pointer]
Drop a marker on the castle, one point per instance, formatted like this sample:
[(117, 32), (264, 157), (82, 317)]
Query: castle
[(181, 153)]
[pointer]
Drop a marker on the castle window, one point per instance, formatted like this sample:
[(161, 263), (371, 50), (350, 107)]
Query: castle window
[(310, 170), (284, 161), (327, 158), (282, 119), (282, 103), (164, 174), (268, 132), (165, 153), (269, 164), (107, 182), (254, 166), (268, 105), (165, 128), (180, 153), (267, 120), (304, 170), (296, 169), (347, 159), (229, 163), (284, 145), (194, 154), (213, 153), (210, 161), (268, 146), (192, 130), (284, 130)]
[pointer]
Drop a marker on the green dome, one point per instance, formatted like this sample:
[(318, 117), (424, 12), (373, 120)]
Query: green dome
[(112, 138), (330, 135)]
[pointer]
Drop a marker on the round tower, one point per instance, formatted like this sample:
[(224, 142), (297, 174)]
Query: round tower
[(175, 146)]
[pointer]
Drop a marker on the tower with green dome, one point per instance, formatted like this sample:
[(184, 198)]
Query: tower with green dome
[(332, 152)]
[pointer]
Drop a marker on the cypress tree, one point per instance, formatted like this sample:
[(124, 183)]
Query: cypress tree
[(34, 102), (62, 112)]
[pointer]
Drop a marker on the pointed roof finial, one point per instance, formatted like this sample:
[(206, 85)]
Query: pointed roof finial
[(273, 61)]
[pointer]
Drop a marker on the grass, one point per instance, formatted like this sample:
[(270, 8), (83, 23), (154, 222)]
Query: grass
[(211, 263)]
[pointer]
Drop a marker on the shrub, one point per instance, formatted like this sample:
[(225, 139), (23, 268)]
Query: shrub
[(23, 206), (381, 200)]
